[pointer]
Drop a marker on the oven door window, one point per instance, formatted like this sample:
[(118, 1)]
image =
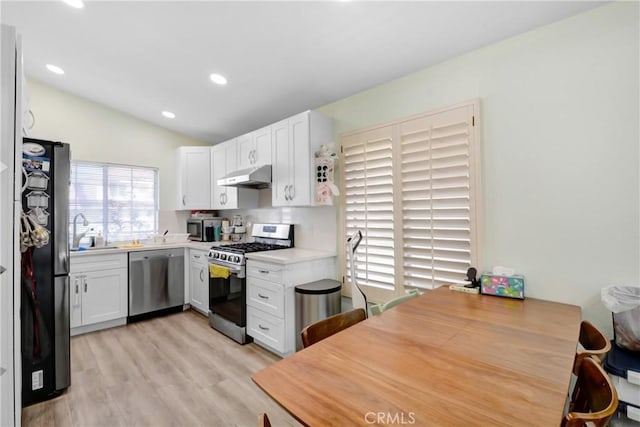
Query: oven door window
[(227, 298)]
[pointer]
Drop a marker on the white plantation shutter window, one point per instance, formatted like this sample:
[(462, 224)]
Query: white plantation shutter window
[(119, 201), (368, 190), (436, 199), (430, 204)]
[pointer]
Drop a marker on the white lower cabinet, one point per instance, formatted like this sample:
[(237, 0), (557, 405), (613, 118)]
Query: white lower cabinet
[(98, 292), (271, 311), (199, 280)]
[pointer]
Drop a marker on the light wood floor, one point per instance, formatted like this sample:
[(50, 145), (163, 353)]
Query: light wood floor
[(168, 371)]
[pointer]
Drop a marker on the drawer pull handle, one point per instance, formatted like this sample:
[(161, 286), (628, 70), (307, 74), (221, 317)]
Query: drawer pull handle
[(264, 271), (264, 328), (263, 296), (197, 256)]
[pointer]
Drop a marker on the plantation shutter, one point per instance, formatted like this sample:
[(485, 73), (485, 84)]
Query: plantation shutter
[(436, 198), (368, 190), (415, 180)]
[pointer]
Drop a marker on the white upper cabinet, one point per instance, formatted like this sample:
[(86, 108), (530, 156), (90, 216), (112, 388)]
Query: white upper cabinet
[(193, 170), (294, 143), (254, 149), (245, 150), (224, 161)]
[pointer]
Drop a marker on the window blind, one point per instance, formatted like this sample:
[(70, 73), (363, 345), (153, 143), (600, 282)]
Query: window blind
[(369, 192), (119, 201), (436, 206), (414, 181)]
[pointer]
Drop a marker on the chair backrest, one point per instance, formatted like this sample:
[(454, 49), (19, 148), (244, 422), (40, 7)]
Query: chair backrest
[(379, 308), (594, 398), (326, 327), (263, 421), (594, 343)]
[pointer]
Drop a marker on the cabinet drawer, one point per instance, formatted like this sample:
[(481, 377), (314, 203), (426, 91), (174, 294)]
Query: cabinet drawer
[(266, 296), (98, 262), (198, 256), (266, 328), (264, 270)]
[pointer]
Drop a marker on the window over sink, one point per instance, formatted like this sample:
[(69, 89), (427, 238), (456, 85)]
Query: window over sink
[(119, 201)]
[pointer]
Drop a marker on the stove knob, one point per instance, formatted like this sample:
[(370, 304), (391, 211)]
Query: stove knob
[(223, 257), (216, 255), (236, 258)]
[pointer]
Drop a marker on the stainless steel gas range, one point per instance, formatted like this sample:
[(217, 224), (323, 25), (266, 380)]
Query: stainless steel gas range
[(228, 295)]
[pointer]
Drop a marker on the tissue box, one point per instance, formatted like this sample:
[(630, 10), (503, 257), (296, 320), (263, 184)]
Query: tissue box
[(502, 286)]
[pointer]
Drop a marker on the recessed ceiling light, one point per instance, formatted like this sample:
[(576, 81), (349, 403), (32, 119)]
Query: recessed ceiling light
[(78, 4), (168, 114), (218, 79), (55, 69)]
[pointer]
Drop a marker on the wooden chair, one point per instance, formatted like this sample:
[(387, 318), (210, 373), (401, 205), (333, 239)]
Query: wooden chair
[(594, 344), (594, 398), (379, 308), (263, 421), (331, 325)]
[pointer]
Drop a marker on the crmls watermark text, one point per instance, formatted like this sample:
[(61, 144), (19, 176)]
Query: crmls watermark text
[(400, 418)]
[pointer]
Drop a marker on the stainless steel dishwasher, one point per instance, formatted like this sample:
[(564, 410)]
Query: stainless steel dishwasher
[(156, 280)]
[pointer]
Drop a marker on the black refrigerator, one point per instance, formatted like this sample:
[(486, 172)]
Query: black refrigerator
[(44, 309)]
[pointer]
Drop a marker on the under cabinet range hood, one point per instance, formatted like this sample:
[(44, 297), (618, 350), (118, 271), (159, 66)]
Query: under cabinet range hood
[(257, 177)]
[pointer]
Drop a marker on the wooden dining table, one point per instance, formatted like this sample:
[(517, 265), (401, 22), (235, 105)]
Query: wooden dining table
[(444, 358)]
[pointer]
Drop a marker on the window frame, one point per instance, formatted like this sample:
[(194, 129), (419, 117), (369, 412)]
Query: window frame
[(105, 223), (377, 294)]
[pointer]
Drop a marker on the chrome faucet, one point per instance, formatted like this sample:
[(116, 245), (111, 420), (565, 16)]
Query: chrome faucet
[(77, 237)]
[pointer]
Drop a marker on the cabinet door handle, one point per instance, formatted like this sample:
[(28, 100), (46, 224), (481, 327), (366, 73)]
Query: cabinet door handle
[(263, 296), (184, 198), (264, 271), (264, 328), (77, 297), (286, 192), (201, 275), (85, 285), (292, 192)]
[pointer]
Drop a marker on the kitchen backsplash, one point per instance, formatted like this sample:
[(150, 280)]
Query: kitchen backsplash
[(174, 221), (315, 228)]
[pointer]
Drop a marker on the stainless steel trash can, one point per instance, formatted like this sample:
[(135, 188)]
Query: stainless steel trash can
[(316, 301)]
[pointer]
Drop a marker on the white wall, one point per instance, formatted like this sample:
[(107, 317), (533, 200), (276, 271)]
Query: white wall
[(100, 134), (559, 109)]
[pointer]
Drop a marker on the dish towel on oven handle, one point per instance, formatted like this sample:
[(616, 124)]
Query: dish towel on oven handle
[(218, 271)]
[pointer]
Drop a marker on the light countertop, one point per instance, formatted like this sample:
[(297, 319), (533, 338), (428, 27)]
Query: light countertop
[(281, 256), (290, 256), (204, 246)]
